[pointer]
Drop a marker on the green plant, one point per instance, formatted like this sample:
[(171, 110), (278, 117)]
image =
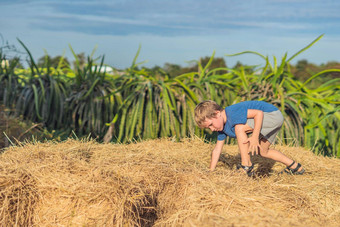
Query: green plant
[(311, 115), (153, 105), (8, 81), (143, 103), (90, 103), (42, 93)]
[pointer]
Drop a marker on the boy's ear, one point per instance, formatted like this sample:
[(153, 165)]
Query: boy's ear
[(217, 113)]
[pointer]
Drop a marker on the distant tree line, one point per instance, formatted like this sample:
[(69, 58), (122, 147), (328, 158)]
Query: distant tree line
[(302, 70)]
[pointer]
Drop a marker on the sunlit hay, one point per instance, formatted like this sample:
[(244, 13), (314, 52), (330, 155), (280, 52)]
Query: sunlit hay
[(17, 198), (162, 183)]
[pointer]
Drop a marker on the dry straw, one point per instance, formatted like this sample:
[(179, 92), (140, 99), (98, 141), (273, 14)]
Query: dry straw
[(161, 183)]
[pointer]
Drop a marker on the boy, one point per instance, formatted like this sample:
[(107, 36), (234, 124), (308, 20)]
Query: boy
[(262, 119)]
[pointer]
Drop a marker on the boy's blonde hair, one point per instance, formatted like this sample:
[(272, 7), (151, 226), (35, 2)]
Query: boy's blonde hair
[(204, 110)]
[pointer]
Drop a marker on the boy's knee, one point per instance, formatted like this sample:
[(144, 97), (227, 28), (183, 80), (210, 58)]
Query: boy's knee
[(263, 151), (264, 147)]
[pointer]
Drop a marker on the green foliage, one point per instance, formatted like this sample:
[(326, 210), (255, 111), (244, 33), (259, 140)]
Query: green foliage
[(54, 62), (8, 81), (153, 106), (311, 115), (174, 70), (42, 94), (90, 103), (143, 103)]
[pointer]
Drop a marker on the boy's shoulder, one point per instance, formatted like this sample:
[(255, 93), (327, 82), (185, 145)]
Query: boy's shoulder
[(238, 105), (236, 109), (252, 104)]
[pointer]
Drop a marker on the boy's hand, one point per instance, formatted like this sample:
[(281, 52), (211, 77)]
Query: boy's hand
[(254, 145)]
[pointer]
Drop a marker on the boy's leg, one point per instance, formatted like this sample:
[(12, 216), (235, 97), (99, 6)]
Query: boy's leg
[(275, 155), (241, 135)]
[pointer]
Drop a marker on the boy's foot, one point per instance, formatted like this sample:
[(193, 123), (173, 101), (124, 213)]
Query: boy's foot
[(294, 169), (247, 169)]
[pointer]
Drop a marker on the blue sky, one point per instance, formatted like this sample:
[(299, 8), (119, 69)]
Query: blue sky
[(174, 31)]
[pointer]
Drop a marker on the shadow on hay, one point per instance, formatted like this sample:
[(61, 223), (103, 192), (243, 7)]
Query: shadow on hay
[(263, 166), (147, 213)]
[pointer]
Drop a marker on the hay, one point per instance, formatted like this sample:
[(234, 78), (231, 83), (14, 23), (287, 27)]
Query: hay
[(161, 183)]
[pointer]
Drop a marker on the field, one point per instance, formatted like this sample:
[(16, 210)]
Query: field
[(163, 183), (142, 103)]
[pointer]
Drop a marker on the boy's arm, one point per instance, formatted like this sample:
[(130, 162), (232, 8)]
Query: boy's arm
[(215, 154), (257, 115)]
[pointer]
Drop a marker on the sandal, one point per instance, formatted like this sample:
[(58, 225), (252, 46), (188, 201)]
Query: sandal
[(248, 169), (294, 171)]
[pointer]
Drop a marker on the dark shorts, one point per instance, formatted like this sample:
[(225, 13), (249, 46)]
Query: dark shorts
[(271, 125)]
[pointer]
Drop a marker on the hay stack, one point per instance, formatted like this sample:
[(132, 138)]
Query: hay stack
[(162, 183)]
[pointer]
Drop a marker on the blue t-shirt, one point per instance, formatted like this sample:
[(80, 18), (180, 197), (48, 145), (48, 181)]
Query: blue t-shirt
[(237, 114)]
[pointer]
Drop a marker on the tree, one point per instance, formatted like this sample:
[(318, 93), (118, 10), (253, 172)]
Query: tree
[(44, 61), (175, 70), (247, 69), (216, 63), (172, 70), (48, 61), (82, 61), (303, 69), (332, 65), (17, 61)]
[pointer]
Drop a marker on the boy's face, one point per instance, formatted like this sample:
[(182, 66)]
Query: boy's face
[(214, 124)]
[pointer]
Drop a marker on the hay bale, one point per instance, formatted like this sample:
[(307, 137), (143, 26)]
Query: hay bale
[(161, 182)]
